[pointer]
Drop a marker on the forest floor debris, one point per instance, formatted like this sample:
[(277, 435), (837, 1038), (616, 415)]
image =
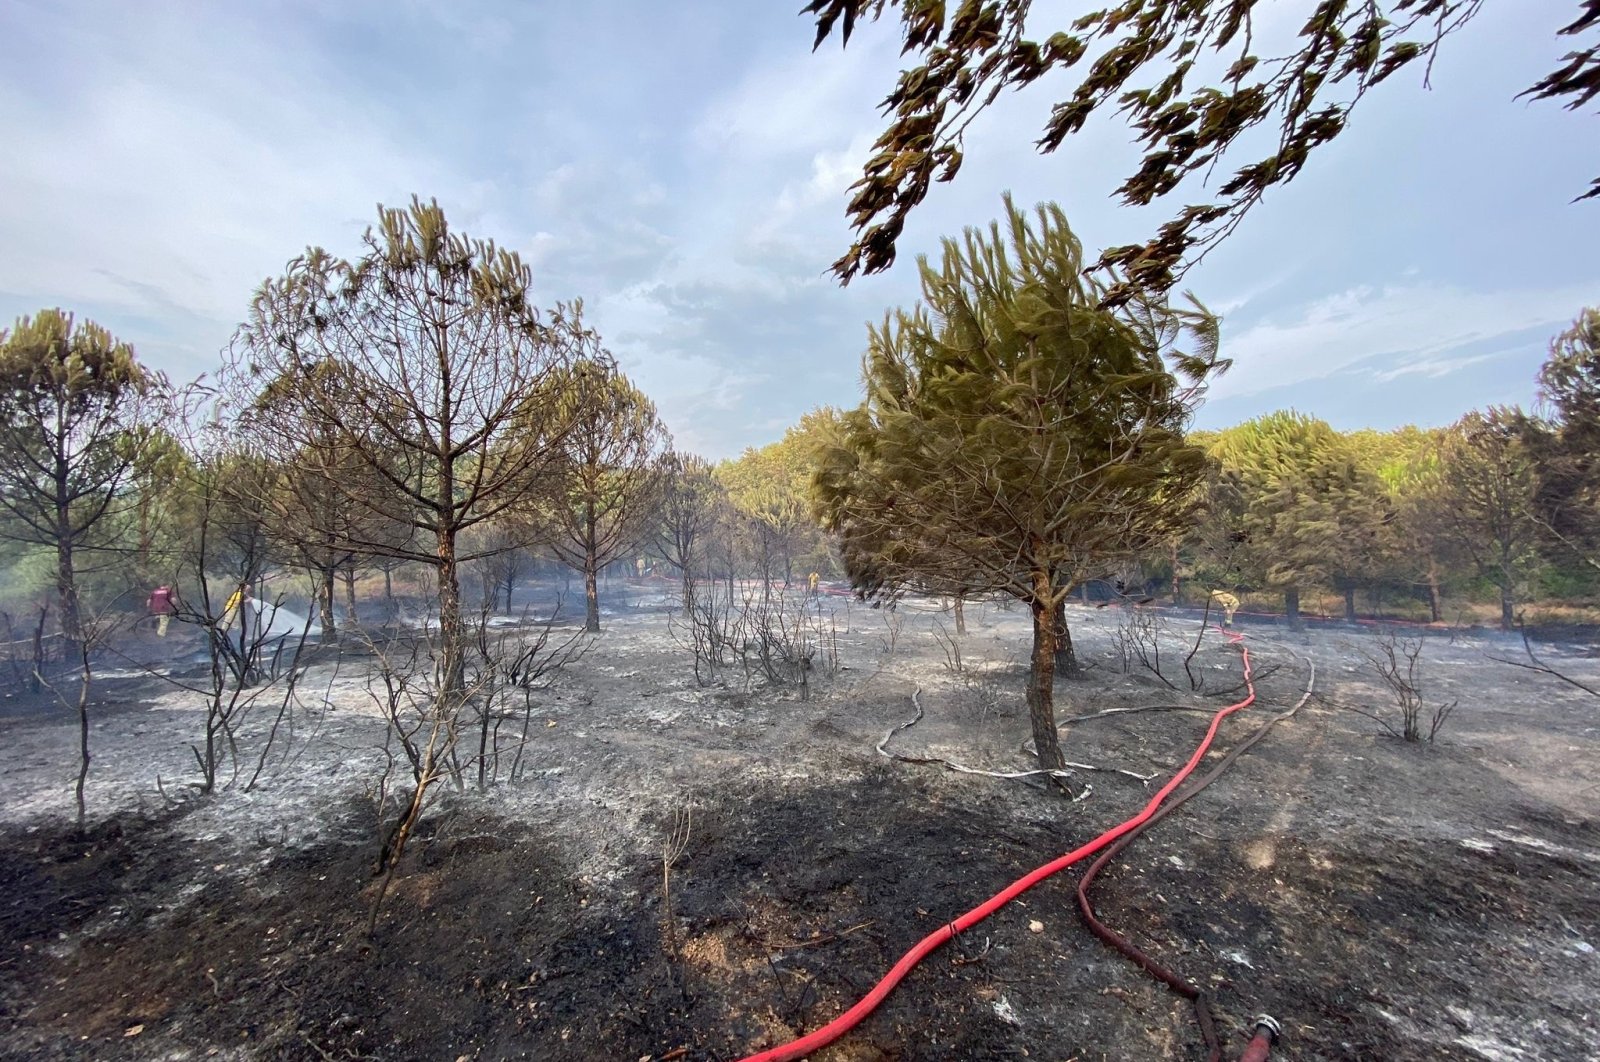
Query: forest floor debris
[(1382, 900)]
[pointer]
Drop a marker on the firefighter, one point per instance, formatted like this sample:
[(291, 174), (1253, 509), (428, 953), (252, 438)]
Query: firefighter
[(161, 606), (1229, 605)]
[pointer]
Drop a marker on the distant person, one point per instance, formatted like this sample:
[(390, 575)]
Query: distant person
[(162, 607), (1229, 605), (235, 604)]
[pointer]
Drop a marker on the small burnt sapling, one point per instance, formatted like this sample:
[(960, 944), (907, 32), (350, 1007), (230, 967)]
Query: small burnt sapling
[(1397, 663)]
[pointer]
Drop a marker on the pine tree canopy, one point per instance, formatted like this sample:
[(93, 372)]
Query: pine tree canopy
[(1013, 429)]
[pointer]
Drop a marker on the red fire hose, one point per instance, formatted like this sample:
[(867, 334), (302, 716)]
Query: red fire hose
[(803, 1046)]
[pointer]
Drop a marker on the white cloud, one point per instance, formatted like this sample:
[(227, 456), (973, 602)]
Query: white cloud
[(832, 173), (1408, 324), (155, 189), (792, 101), (1434, 368), (685, 171)]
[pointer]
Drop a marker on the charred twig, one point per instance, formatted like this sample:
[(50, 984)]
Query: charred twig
[(961, 768), (1199, 635), (673, 846), (1540, 666), (1129, 711), (826, 938), (968, 960)]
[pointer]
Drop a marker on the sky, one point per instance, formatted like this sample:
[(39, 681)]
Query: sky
[(683, 168)]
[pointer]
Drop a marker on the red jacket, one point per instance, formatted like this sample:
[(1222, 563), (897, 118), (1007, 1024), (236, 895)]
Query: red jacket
[(160, 600)]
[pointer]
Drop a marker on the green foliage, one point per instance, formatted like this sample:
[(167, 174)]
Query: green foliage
[(606, 476), (1012, 429), (1015, 436), (77, 418), (1567, 448), (1304, 504), (27, 573), (769, 489), (419, 362), (1479, 501), (693, 502)]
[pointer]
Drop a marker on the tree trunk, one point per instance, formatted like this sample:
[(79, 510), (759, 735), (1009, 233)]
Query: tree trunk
[(1435, 606), (688, 591), (1041, 684), (1291, 607), (146, 541), (485, 718), (511, 582), (452, 633), (1508, 620), (83, 729), (961, 616), (591, 595), (591, 567), (1066, 658), (1350, 604), (1177, 581), (36, 680), (325, 592), (67, 586), (388, 593), (350, 598), (766, 571)]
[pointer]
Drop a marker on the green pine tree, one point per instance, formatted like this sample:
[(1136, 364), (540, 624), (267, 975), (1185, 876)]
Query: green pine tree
[(1015, 436)]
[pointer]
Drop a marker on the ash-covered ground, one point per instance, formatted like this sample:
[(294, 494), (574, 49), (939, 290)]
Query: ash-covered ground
[(1380, 899)]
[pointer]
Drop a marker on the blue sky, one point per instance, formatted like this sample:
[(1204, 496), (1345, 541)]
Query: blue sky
[(682, 167)]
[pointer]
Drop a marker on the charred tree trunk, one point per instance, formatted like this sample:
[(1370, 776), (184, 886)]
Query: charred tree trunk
[(36, 679), (961, 616), (1508, 619), (83, 728), (591, 596), (1041, 684), (452, 629), (1350, 604), (67, 578), (1291, 608), (591, 569), (350, 617), (1066, 658), (325, 614)]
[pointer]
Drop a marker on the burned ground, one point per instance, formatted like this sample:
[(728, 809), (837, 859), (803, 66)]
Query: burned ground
[(1381, 900)]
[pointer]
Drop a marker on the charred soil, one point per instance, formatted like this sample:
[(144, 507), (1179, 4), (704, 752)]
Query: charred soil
[(1382, 900)]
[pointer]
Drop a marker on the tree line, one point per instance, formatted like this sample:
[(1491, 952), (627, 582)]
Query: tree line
[(411, 408), (407, 409), (1022, 434), (1025, 434), (1500, 505)]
